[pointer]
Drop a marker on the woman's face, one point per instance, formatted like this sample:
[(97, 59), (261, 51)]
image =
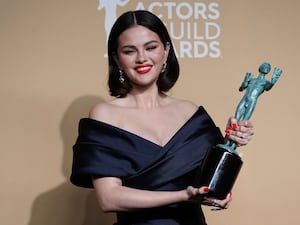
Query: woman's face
[(141, 55)]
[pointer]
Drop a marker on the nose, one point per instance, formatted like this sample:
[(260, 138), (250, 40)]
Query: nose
[(141, 57)]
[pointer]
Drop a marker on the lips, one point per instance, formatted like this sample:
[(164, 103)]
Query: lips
[(142, 69)]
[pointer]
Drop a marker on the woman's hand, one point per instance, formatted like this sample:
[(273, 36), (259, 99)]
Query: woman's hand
[(198, 194), (240, 132)]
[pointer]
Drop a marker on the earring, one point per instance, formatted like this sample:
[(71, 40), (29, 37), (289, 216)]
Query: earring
[(164, 67), (121, 77)]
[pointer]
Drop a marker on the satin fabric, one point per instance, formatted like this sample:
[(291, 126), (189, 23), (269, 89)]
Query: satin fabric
[(104, 150)]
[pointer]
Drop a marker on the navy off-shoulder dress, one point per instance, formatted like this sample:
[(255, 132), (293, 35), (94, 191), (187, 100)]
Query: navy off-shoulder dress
[(104, 150)]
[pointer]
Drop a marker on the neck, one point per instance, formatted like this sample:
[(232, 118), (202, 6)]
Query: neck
[(261, 76), (149, 99)]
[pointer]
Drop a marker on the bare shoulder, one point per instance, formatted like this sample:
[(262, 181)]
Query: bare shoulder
[(101, 112), (186, 106)]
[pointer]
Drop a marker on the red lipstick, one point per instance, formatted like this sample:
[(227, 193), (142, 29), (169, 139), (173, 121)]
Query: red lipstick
[(143, 69)]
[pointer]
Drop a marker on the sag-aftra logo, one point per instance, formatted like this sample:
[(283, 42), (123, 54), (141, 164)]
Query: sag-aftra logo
[(193, 25)]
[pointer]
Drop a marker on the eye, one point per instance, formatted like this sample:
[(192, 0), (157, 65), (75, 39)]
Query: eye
[(151, 47), (129, 51)]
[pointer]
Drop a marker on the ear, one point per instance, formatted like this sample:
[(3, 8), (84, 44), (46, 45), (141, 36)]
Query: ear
[(116, 59), (167, 49)]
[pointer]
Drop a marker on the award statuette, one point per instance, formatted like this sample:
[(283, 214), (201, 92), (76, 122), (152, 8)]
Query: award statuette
[(222, 163)]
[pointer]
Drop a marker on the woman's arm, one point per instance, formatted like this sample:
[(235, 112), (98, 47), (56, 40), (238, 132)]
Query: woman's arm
[(112, 196)]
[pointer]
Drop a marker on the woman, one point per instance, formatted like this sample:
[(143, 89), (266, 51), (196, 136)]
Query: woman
[(141, 150)]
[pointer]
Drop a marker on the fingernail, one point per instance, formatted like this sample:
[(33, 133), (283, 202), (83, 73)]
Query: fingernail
[(206, 189), (227, 131), (234, 126), (230, 194)]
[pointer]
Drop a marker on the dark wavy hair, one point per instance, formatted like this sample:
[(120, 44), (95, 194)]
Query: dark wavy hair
[(147, 19)]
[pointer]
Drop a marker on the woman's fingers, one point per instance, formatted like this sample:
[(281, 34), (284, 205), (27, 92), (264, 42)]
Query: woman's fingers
[(219, 204), (196, 194), (240, 132), (192, 191)]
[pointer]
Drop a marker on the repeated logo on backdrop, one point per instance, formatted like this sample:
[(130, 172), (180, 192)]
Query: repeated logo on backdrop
[(193, 25)]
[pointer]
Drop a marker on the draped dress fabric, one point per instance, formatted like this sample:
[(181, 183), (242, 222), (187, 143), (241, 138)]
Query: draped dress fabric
[(104, 150)]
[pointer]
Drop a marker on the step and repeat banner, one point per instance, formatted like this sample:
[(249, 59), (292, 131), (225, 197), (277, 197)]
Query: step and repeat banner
[(54, 68), (193, 25)]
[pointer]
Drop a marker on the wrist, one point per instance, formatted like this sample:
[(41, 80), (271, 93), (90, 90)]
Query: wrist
[(183, 195)]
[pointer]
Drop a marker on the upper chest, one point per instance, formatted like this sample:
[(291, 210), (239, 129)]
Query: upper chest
[(156, 126)]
